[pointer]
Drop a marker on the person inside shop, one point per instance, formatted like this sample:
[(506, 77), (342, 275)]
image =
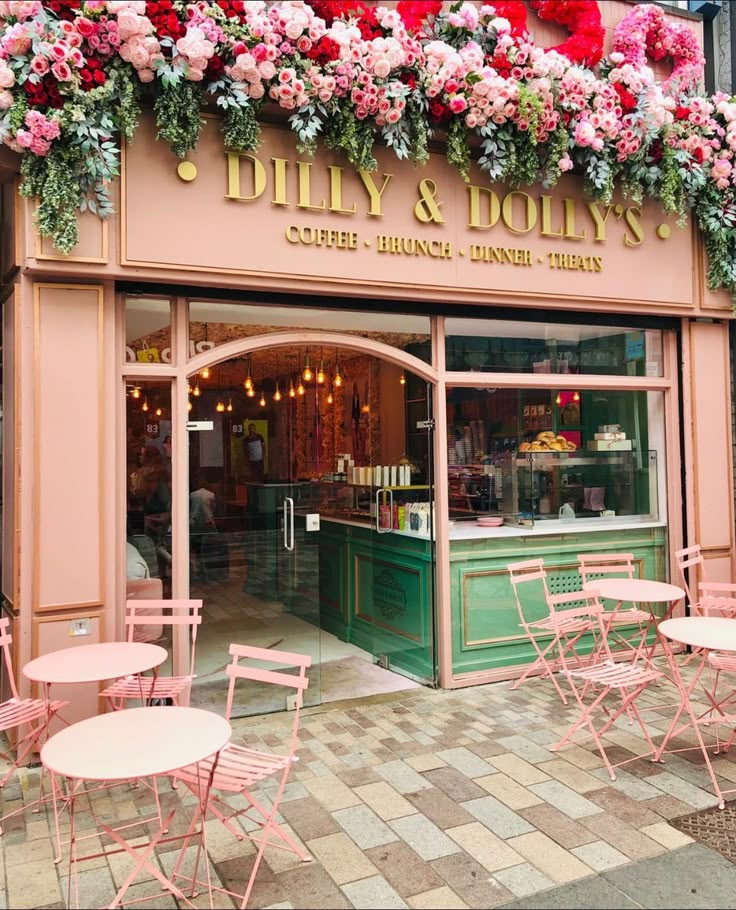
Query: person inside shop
[(201, 521), (255, 449)]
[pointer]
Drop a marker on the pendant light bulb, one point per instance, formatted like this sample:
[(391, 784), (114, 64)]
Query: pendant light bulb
[(292, 390), (189, 406), (158, 412), (321, 372), (196, 391), (251, 393), (330, 398), (402, 379), (204, 373), (229, 405), (307, 375), (136, 392), (300, 388), (262, 402), (576, 396), (338, 378), (277, 396), (144, 406), (558, 400), (248, 384), (220, 407)]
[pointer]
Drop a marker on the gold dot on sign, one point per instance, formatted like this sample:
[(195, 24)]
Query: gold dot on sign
[(540, 258), (663, 231), (367, 242), (187, 171), (462, 252)]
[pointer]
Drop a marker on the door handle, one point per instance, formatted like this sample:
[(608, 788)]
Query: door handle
[(288, 523), (390, 511)]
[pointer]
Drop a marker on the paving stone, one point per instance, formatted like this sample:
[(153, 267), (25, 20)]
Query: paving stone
[(404, 869), (623, 837), (508, 791), (565, 799), (309, 818), (558, 826), (542, 852), (332, 792), (683, 790), (423, 836), (32, 884), (629, 810), (439, 808), (96, 888), (526, 748), (466, 762), (666, 835), (385, 801), (428, 762), (592, 893), (343, 861), (403, 777), (523, 879), (455, 784), (484, 846), (373, 892), (519, 770), (470, 881), (438, 897), (365, 827), (668, 806), (570, 775), (499, 818), (600, 855), (313, 887)]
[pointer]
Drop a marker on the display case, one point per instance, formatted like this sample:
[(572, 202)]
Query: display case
[(388, 509), (541, 486)]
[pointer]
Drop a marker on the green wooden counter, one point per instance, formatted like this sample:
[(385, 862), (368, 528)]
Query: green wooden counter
[(485, 620)]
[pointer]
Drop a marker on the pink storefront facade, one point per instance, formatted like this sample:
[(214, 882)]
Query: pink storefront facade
[(227, 265)]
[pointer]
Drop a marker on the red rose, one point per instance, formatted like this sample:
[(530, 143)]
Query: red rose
[(625, 97), (682, 113), (698, 154), (100, 77)]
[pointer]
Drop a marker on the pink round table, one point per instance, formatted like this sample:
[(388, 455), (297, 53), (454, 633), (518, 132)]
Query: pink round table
[(93, 663), (704, 634), (129, 745)]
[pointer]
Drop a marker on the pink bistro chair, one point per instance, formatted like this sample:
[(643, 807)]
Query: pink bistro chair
[(239, 770), (145, 621), (32, 715), (549, 635), (615, 565), (603, 676)]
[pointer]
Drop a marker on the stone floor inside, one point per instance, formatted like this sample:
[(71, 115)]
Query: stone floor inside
[(425, 799)]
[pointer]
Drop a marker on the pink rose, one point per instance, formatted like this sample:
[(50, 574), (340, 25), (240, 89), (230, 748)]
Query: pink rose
[(7, 77), (6, 100), (146, 75), (458, 104), (61, 71), (85, 27), (59, 51)]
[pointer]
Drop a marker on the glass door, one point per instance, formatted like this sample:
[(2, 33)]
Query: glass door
[(395, 584), (248, 557)]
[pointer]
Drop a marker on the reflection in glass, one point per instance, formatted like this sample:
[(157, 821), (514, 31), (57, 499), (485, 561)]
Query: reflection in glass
[(147, 330)]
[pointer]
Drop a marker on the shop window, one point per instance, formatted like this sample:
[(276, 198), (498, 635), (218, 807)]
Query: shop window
[(147, 330), (212, 324), (148, 479), (533, 347), (527, 456)]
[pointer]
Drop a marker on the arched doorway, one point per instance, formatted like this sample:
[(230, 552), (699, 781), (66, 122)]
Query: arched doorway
[(311, 477)]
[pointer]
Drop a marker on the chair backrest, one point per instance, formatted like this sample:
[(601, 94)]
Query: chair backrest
[(6, 640), (276, 677), (145, 615), (688, 558), (600, 565), (146, 589), (586, 606), (523, 572)]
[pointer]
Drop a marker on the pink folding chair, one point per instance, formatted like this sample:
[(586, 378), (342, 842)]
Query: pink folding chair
[(713, 598), (144, 616), (239, 770), (603, 676), (550, 634), (616, 565), (146, 589), (17, 713)]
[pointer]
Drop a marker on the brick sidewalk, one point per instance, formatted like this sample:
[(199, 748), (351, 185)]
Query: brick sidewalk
[(420, 799)]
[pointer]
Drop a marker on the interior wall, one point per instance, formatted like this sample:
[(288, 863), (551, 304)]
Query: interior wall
[(393, 419)]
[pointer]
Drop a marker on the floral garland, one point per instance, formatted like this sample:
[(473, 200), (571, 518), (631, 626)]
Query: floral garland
[(73, 74)]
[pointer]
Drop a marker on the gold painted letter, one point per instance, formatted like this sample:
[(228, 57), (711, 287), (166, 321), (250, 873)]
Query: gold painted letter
[(475, 194), (631, 216), (233, 177), (374, 194)]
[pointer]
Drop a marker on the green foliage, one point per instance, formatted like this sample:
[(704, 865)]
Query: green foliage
[(354, 138), (52, 181), (178, 109), (458, 147), (241, 129)]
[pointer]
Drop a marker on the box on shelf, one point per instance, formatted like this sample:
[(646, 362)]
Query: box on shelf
[(610, 436), (603, 445)]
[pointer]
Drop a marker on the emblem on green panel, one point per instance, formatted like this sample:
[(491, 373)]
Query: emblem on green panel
[(389, 595)]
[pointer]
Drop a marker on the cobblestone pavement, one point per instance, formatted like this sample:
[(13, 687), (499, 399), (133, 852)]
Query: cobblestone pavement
[(418, 799)]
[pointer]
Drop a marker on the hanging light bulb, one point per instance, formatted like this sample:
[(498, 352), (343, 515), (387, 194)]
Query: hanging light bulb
[(251, 393), (248, 384), (144, 406), (307, 374), (189, 388), (229, 406), (321, 371), (189, 406), (262, 402), (220, 406), (330, 399), (277, 396), (337, 381), (402, 379), (196, 391), (300, 388), (158, 412), (204, 373), (558, 400), (576, 396), (136, 392), (292, 390)]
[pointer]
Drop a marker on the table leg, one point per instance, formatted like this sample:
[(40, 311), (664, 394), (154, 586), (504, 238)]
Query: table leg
[(686, 706)]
